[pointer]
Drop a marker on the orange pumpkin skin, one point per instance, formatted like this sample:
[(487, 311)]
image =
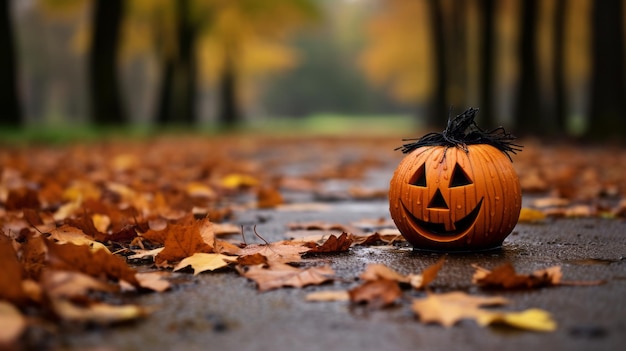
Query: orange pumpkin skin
[(467, 201)]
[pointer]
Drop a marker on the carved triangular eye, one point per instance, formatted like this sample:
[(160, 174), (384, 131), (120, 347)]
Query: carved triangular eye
[(459, 177), (419, 178), (438, 201)]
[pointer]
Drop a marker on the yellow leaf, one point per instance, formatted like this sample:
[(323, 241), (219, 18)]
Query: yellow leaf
[(531, 319), (98, 313), (201, 262), (101, 222), (235, 181), (530, 215)]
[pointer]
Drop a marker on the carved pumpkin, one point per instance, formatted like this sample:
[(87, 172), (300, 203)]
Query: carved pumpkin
[(457, 190)]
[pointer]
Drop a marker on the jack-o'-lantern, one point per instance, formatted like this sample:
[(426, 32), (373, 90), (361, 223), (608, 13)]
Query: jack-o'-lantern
[(457, 190)]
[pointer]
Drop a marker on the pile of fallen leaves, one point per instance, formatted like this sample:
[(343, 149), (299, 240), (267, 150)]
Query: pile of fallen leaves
[(82, 224)]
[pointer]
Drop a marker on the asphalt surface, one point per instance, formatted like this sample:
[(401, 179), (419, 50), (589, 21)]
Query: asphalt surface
[(224, 311)]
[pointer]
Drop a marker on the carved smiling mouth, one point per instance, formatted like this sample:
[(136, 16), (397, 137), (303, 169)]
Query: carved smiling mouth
[(460, 226)]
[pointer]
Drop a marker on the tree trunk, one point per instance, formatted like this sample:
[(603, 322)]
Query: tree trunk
[(229, 114), (487, 8), (106, 101), (558, 69), (10, 114), (608, 97), (177, 102), (438, 112), (528, 112)]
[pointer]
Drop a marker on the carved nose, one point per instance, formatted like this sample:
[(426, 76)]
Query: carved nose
[(438, 201)]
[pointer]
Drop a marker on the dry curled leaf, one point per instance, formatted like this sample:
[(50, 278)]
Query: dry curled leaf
[(155, 281), (377, 271), (376, 293), (278, 275), (276, 252), (505, 277), (99, 313)]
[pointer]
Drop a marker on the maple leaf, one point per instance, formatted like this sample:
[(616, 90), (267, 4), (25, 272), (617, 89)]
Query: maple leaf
[(505, 277), (201, 262), (94, 263), (182, 241), (12, 324), (450, 308), (377, 293), (278, 275)]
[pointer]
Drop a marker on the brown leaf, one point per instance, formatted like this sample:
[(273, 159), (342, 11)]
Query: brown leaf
[(182, 241), (375, 238), (94, 263), (72, 284), (505, 277), (334, 244), (376, 293), (252, 260), (328, 296), (12, 274), (279, 275), (276, 252), (377, 271), (268, 197)]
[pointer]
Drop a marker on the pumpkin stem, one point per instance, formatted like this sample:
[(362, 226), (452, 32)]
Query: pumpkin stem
[(462, 131)]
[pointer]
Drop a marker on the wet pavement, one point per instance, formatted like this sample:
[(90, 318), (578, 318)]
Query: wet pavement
[(224, 311)]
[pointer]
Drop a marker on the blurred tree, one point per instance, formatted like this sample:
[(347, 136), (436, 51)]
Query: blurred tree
[(487, 10), (558, 65), (435, 119), (177, 97), (400, 55), (106, 100), (528, 110), (607, 115), (9, 100)]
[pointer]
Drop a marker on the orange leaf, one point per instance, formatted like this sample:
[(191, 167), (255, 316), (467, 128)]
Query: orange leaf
[(334, 244), (377, 293), (94, 263), (276, 252), (11, 277), (505, 277), (182, 241)]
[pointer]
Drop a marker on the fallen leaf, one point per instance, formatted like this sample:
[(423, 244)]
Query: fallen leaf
[(201, 262), (531, 215), (276, 252), (334, 243), (182, 241), (143, 254), (99, 313), (236, 181), (376, 293), (279, 275), (375, 238), (94, 263), (12, 325), (268, 197), (375, 271), (12, 275), (154, 281), (450, 308), (505, 277), (68, 284), (68, 234), (328, 296), (250, 260), (101, 222)]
